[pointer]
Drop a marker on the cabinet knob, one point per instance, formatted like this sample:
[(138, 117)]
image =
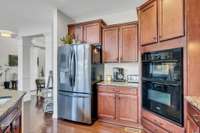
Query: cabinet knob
[(160, 36)]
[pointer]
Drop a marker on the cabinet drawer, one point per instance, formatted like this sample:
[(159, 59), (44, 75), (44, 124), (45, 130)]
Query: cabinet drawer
[(108, 89), (151, 127), (194, 114), (157, 120), (127, 90)]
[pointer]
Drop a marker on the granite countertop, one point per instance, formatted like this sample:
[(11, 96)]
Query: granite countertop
[(15, 97), (123, 84), (194, 100)]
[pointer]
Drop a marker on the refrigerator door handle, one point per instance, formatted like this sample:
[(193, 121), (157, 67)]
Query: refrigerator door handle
[(74, 95), (75, 66), (71, 75)]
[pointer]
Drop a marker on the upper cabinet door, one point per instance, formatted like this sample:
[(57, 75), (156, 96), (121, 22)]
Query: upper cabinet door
[(148, 23), (111, 45), (92, 33), (171, 19), (77, 32), (128, 43)]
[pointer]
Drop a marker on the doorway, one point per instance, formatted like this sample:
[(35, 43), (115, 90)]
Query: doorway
[(33, 62), (8, 63)]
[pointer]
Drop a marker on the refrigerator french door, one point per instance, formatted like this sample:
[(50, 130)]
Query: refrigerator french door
[(74, 67), (75, 88)]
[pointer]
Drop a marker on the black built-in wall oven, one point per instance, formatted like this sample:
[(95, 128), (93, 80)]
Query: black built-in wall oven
[(162, 84)]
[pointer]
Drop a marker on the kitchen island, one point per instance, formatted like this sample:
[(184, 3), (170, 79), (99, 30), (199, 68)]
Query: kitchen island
[(10, 111)]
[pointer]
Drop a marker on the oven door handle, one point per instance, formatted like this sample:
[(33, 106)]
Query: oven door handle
[(171, 84)]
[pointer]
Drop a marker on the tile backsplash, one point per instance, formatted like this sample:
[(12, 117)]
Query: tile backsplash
[(129, 68)]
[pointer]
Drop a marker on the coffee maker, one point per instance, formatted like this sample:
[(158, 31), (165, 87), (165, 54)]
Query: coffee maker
[(118, 74)]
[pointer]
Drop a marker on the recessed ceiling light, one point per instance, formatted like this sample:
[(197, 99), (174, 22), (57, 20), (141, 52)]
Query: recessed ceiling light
[(7, 34)]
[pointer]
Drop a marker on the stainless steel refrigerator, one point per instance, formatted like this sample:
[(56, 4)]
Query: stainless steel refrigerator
[(79, 69)]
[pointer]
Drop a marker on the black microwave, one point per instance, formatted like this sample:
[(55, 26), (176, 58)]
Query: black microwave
[(162, 83)]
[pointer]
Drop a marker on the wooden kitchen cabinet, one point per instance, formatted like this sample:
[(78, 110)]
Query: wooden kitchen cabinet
[(77, 32), (193, 118), (153, 123), (171, 19), (111, 45), (191, 126), (152, 128), (87, 32), (118, 105), (148, 23), (106, 105), (92, 33), (128, 43), (124, 113), (161, 20), (120, 43)]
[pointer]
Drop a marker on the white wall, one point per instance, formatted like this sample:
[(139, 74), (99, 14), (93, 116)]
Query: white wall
[(8, 46), (26, 72), (47, 31), (36, 53), (60, 22), (122, 17)]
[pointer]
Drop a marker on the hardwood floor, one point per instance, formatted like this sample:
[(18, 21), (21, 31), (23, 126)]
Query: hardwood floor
[(35, 121)]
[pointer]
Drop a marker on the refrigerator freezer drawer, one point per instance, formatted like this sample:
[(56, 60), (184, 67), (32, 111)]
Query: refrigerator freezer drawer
[(75, 107)]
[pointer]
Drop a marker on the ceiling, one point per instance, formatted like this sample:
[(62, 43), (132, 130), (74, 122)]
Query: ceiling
[(21, 14)]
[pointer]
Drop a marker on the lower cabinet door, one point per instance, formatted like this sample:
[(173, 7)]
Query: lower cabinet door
[(127, 108), (150, 127), (191, 126), (106, 105)]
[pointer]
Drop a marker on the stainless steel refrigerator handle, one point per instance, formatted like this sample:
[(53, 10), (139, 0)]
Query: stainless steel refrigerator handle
[(71, 95), (71, 59), (75, 59), (73, 67)]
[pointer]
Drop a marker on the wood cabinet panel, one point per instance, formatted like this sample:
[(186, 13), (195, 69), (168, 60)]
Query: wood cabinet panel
[(77, 32), (127, 91), (92, 33), (128, 43), (148, 23), (111, 44), (191, 126), (118, 105), (162, 123), (105, 88), (193, 118), (152, 127), (171, 19), (106, 105), (127, 109)]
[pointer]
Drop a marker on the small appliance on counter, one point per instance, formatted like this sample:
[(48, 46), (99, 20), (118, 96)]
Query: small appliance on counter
[(118, 74), (132, 78)]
